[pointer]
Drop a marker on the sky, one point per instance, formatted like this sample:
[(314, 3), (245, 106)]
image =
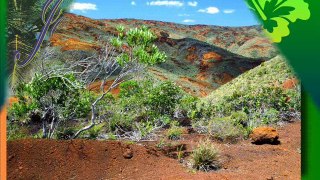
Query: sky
[(208, 12)]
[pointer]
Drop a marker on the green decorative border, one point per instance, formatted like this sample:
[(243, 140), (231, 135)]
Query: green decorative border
[(301, 48), (3, 46)]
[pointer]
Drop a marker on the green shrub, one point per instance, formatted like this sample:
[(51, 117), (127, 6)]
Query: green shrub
[(65, 133), (205, 156), (224, 129), (239, 117), (15, 132), (174, 133), (62, 91), (21, 109), (112, 136), (189, 104), (258, 93), (129, 88), (94, 132), (163, 98)]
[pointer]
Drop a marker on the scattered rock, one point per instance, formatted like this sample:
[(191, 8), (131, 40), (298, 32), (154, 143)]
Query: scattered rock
[(128, 154), (265, 135), (290, 83)]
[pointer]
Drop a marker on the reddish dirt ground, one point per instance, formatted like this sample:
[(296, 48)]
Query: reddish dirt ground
[(95, 87), (84, 159)]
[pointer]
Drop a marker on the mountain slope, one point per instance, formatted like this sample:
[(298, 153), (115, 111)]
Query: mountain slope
[(200, 58), (270, 85)]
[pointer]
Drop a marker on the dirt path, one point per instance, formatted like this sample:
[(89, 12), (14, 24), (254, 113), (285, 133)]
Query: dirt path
[(83, 159)]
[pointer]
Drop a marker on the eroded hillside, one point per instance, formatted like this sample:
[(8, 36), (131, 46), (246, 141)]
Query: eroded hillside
[(200, 58)]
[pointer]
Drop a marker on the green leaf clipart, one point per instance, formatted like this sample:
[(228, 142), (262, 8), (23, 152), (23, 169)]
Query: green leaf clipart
[(278, 14)]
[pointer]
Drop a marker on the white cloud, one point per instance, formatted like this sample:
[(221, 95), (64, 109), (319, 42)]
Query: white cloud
[(228, 11), (210, 10), (165, 3), (188, 21), (193, 3), (184, 15), (133, 3), (83, 7)]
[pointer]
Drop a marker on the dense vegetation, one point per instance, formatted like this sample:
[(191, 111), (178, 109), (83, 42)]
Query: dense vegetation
[(143, 106), (256, 98)]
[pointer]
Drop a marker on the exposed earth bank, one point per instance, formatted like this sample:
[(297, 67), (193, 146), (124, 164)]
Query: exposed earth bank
[(88, 159)]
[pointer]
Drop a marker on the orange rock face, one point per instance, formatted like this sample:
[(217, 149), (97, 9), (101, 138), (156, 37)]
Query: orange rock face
[(290, 83), (264, 135), (212, 55), (71, 44)]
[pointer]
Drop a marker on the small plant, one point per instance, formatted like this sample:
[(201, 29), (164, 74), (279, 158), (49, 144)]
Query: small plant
[(161, 143), (112, 137), (129, 142), (174, 133), (65, 133), (180, 153), (224, 129), (94, 132), (205, 156), (239, 117)]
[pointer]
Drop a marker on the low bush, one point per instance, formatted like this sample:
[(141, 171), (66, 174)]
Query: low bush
[(205, 156), (174, 133), (15, 131), (224, 129), (256, 97), (94, 132), (65, 133)]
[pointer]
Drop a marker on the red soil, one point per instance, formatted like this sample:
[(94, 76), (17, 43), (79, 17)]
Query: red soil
[(95, 87), (84, 159), (212, 55), (72, 43), (192, 57), (224, 78), (158, 74), (196, 83), (203, 76)]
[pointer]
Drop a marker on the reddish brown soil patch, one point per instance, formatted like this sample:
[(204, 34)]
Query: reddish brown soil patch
[(196, 83), (290, 83), (212, 55), (158, 74), (71, 44), (192, 57), (202, 76), (95, 87), (224, 78), (83, 159), (208, 60)]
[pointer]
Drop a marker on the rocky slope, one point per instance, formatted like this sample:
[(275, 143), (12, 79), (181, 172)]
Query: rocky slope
[(200, 58)]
